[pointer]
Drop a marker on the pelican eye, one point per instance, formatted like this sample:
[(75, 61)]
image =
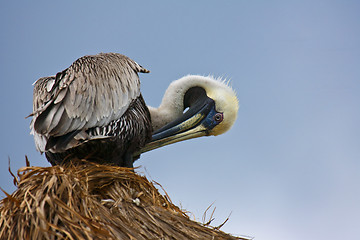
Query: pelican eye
[(218, 117)]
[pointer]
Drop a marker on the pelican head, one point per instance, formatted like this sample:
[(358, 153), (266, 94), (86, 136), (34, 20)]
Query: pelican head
[(193, 106)]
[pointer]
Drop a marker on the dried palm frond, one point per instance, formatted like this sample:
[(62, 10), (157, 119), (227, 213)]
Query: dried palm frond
[(90, 201)]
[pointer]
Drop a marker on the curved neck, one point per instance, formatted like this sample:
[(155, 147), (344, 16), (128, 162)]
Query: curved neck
[(163, 115), (171, 107), (172, 104)]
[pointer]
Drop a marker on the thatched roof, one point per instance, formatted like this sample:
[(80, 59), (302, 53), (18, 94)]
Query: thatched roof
[(90, 201)]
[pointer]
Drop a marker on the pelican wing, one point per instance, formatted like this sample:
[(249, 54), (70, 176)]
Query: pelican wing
[(93, 91)]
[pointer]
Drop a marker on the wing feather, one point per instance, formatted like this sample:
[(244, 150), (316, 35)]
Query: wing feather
[(64, 122), (77, 101), (40, 101), (53, 118), (46, 121), (60, 96), (93, 91)]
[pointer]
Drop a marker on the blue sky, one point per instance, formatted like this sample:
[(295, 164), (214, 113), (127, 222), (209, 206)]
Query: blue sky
[(288, 169)]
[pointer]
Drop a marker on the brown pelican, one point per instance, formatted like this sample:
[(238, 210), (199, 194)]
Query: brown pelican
[(94, 110)]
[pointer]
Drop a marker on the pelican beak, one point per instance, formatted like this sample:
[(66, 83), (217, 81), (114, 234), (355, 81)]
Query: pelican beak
[(196, 122)]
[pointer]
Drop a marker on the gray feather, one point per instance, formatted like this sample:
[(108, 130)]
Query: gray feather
[(93, 91)]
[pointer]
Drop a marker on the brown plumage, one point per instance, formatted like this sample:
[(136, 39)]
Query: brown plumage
[(92, 110)]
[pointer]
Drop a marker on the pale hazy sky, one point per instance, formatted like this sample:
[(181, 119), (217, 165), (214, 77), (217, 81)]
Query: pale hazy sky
[(290, 166)]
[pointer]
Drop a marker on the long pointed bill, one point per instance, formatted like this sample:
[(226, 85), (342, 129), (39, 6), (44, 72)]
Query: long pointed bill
[(196, 122)]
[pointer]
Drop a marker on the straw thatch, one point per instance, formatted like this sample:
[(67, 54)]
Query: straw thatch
[(90, 201)]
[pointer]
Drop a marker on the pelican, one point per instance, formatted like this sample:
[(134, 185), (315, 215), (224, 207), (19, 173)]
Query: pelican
[(94, 110)]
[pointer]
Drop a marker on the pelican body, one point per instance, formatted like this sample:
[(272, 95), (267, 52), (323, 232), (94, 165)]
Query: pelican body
[(94, 110)]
